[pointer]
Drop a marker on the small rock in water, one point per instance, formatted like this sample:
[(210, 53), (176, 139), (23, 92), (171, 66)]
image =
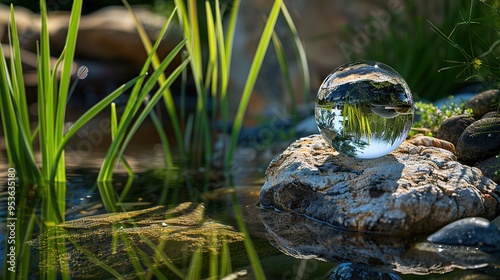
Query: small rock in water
[(468, 232), (364, 109), (354, 271)]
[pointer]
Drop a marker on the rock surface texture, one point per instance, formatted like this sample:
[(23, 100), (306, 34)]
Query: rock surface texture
[(412, 190)]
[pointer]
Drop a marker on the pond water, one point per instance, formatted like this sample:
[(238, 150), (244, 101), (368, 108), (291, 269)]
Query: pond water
[(200, 228)]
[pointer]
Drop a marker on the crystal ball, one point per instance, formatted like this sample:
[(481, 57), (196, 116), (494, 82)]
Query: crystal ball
[(364, 109)]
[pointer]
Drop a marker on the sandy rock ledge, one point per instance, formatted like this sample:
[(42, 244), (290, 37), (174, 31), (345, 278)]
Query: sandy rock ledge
[(411, 190)]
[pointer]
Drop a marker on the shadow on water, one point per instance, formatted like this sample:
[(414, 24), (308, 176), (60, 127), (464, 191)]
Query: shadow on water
[(200, 233)]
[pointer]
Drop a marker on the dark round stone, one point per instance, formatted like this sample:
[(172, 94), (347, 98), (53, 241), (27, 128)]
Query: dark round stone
[(492, 114), (489, 167), (474, 231), (355, 271), (496, 222), (479, 141), (451, 129), (484, 102)]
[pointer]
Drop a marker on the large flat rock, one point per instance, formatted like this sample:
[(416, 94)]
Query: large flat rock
[(411, 190)]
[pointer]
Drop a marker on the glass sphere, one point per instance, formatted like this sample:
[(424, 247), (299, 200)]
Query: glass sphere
[(364, 109)]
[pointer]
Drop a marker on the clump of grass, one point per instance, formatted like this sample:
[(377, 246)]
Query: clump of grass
[(209, 45), (211, 76)]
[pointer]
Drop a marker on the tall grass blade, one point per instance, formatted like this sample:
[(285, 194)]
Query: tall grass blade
[(151, 103), (201, 139), (87, 116), (280, 55), (225, 44), (252, 77), (300, 52), (17, 138), (225, 265), (69, 53), (107, 168), (17, 76), (45, 95), (195, 266), (155, 61)]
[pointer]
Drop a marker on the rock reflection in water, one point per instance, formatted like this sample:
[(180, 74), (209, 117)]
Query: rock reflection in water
[(303, 238)]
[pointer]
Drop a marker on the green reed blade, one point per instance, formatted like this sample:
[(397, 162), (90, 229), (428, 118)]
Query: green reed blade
[(45, 96), (134, 101), (212, 68), (91, 256), (196, 264), (19, 151), (161, 257), (251, 251), (252, 77), (17, 74), (225, 47), (132, 255), (145, 38), (128, 168), (64, 81), (225, 265), (280, 55), (87, 116), (300, 52), (231, 27), (151, 104), (161, 79), (105, 173), (169, 162), (188, 17), (108, 196)]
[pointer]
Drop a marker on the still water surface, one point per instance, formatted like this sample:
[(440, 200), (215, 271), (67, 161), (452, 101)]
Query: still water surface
[(288, 246)]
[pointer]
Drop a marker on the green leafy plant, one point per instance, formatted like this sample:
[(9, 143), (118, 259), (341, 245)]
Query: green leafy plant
[(429, 117)]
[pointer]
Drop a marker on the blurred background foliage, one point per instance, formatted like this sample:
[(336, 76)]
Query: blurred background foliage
[(457, 52), (454, 52), (65, 5)]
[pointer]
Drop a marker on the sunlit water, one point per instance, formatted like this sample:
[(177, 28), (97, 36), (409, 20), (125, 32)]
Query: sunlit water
[(364, 109), (297, 237)]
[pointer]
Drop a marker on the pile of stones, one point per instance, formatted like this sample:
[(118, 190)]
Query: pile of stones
[(477, 137)]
